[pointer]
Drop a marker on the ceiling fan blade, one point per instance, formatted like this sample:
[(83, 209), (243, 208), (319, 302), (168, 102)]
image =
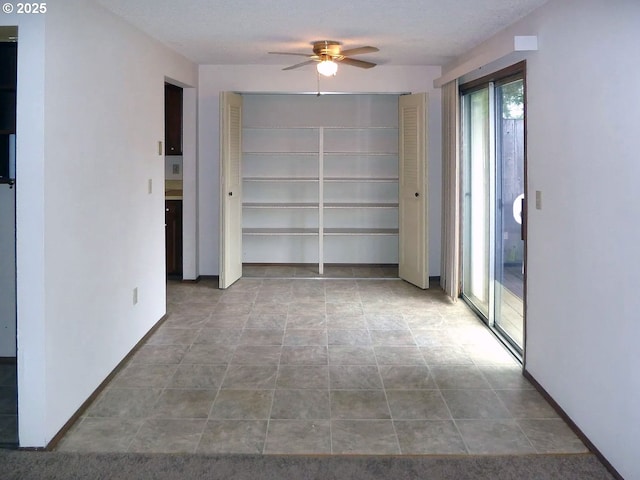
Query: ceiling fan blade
[(357, 63), (298, 65), (359, 51), (290, 53)]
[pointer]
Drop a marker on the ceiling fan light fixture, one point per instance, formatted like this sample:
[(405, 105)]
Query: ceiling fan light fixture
[(328, 53), (327, 68)]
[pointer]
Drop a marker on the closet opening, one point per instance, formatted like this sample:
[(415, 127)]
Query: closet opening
[(319, 184), (8, 186), (173, 183)]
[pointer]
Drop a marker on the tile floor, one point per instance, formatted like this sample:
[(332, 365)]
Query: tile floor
[(8, 405), (320, 366)]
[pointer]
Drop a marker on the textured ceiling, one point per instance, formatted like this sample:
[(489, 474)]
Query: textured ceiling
[(407, 32)]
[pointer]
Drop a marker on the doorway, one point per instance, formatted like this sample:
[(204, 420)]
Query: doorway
[(173, 121), (8, 327), (324, 180), (493, 229)]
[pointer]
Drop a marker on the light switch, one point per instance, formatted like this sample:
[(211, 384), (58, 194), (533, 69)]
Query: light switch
[(538, 200), (150, 186), (159, 147)]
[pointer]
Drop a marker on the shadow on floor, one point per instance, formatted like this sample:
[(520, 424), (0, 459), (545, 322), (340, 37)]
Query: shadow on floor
[(8, 404)]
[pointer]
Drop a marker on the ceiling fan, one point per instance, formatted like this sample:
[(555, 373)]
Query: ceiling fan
[(327, 54)]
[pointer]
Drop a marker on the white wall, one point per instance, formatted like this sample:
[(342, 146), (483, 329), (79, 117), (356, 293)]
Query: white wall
[(29, 224), (582, 284), (190, 184), (383, 79), (88, 230)]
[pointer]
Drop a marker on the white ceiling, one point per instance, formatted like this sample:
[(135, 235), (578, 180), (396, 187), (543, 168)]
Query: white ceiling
[(241, 32)]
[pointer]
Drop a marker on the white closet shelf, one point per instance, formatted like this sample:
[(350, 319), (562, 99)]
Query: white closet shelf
[(316, 127), (360, 153), (360, 205), (280, 231), (280, 179), (360, 231), (279, 205), (288, 153), (380, 127), (361, 179), (279, 127)]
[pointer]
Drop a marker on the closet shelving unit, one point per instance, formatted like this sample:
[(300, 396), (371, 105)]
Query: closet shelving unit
[(320, 194)]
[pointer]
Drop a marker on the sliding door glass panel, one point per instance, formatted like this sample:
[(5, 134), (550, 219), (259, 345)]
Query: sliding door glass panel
[(476, 214), (509, 243)]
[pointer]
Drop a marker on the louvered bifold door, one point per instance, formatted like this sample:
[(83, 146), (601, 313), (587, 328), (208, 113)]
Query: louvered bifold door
[(230, 189), (413, 222)]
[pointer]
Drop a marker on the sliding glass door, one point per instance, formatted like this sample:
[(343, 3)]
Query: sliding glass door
[(493, 166)]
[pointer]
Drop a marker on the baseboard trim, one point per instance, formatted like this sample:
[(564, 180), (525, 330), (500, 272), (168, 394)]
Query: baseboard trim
[(214, 278), (78, 413), (8, 360), (572, 425)]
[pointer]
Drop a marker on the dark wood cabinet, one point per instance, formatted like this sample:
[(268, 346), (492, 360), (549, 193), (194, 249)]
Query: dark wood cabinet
[(173, 236), (172, 119)]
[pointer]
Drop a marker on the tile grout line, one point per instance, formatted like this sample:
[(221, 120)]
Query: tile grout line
[(219, 389), (275, 386), (384, 389), (326, 317), (206, 420)]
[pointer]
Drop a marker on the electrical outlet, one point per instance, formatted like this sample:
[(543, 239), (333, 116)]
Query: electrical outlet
[(538, 200), (176, 169), (135, 295)]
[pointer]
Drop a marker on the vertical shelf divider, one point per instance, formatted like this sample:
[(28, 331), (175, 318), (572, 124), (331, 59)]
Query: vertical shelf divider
[(321, 200)]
